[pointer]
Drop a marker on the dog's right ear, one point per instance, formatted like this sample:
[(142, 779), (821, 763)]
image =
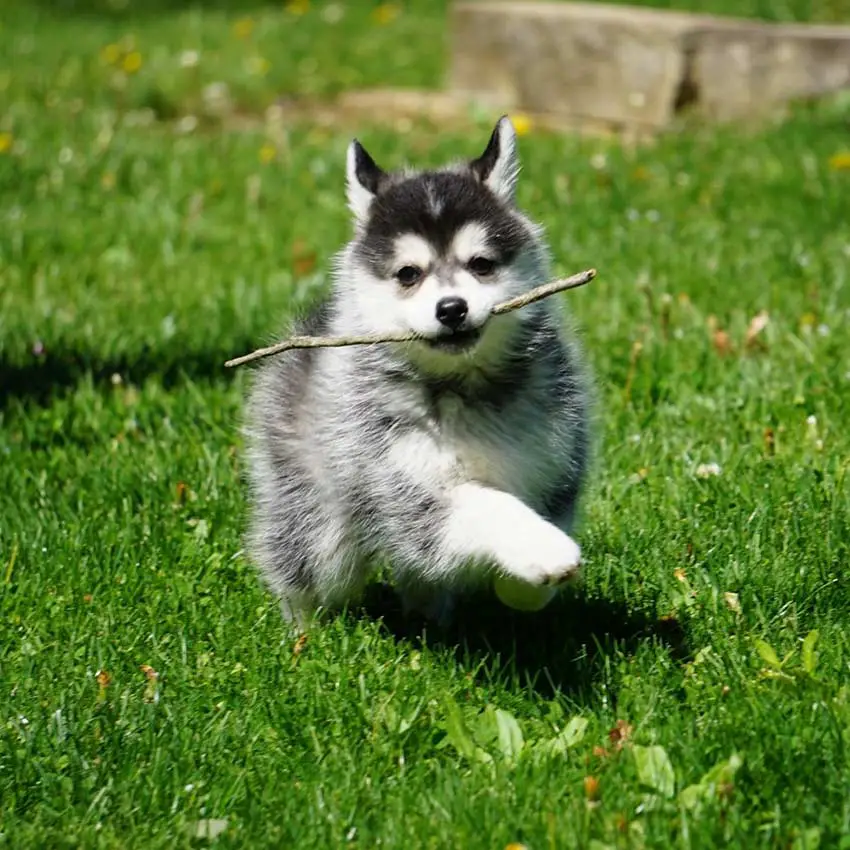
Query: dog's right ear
[(498, 167), (363, 179)]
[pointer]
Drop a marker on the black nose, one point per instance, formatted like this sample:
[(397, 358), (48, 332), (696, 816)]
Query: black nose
[(451, 311)]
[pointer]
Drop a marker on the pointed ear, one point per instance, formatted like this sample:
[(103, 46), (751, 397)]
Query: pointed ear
[(363, 179), (498, 167)]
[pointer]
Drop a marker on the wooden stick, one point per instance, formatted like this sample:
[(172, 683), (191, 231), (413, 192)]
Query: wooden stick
[(524, 300)]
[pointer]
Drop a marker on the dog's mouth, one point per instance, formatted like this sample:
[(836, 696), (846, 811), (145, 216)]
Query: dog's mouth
[(456, 341)]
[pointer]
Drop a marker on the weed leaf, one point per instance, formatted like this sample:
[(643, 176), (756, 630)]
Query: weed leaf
[(570, 735), (707, 788), (655, 770), (810, 657), (768, 654), (456, 731), (459, 737), (510, 735)]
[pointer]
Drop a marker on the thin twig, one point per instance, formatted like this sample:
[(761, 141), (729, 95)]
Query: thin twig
[(524, 300)]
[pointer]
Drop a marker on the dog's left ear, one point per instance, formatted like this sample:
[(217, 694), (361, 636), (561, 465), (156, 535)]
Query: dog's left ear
[(498, 167), (363, 179)]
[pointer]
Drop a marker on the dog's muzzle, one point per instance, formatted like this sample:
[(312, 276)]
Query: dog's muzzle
[(451, 312), (454, 342)]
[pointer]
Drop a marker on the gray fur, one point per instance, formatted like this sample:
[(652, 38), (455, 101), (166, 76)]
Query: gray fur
[(403, 450)]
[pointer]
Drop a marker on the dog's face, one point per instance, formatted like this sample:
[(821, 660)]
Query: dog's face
[(435, 251)]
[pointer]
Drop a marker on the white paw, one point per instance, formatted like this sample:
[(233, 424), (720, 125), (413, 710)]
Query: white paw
[(547, 558)]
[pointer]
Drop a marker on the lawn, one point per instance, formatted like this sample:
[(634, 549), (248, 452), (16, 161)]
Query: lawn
[(694, 692)]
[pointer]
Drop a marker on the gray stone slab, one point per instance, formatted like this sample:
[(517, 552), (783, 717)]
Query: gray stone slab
[(635, 66)]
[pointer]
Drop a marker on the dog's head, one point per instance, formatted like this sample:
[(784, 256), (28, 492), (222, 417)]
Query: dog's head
[(435, 251)]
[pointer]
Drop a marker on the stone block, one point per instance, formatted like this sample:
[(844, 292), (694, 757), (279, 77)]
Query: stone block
[(636, 67), (739, 70)]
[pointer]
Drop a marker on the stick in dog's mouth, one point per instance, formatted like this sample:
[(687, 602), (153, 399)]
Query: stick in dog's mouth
[(524, 300)]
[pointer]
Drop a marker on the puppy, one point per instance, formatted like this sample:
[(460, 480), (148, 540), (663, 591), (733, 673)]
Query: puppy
[(457, 459)]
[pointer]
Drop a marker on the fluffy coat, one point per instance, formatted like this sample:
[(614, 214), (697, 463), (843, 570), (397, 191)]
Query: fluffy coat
[(456, 459)]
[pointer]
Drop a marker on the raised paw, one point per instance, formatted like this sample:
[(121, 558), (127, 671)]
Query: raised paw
[(546, 559), (559, 563)]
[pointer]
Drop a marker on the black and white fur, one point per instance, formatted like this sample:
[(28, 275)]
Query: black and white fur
[(455, 458)]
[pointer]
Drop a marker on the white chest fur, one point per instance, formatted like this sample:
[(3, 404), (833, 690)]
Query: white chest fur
[(512, 450)]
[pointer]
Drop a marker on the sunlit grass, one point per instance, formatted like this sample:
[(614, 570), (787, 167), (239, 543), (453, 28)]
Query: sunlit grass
[(693, 693)]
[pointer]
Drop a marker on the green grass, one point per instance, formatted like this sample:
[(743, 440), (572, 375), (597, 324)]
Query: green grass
[(134, 259)]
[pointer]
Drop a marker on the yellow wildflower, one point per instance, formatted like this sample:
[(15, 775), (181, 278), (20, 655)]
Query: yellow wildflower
[(132, 62), (5, 142), (107, 181), (267, 153), (297, 7), (385, 13), (259, 66), (110, 54), (808, 321), (840, 161), (522, 124), (243, 27)]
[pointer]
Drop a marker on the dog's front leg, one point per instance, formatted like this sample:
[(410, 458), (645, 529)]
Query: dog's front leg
[(484, 523)]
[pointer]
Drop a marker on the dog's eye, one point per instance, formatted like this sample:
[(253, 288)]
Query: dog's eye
[(481, 266), (409, 275)]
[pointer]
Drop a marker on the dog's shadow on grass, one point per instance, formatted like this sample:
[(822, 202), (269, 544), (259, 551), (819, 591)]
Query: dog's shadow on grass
[(557, 650), (47, 375)]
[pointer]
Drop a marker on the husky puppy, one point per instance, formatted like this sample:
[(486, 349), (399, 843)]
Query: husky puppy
[(459, 458)]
